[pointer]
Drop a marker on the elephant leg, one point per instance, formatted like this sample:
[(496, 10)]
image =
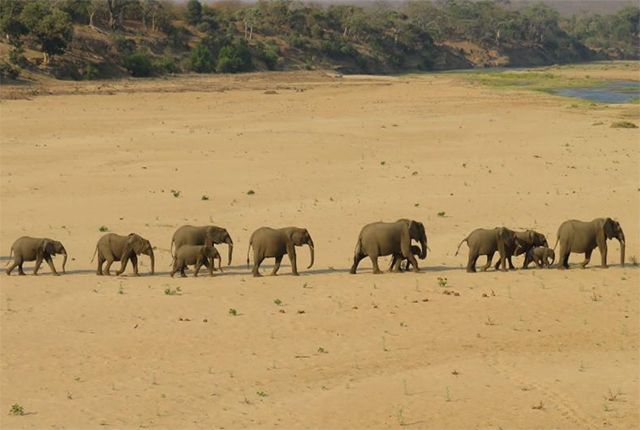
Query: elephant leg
[(356, 260), (274, 272), (49, 261), (134, 263), (374, 262), (20, 268), (294, 263), (411, 260), (110, 261), (392, 265), (38, 263), (182, 267), (563, 258), (471, 263), (603, 257), (101, 261), (197, 267), (511, 266), (257, 261), (16, 262), (174, 269), (489, 261), (587, 258)]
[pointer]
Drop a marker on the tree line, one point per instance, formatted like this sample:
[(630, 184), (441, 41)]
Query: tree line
[(159, 36)]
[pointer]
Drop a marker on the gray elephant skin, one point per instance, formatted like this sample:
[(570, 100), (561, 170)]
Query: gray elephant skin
[(541, 256), (583, 237), (36, 249), (113, 247), (195, 255), (525, 241), (206, 235), (275, 243), (390, 238), (487, 242)]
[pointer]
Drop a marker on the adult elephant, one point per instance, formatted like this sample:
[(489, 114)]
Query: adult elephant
[(207, 235), (484, 241), (583, 237), (35, 249), (114, 247), (268, 242), (525, 242), (390, 238)]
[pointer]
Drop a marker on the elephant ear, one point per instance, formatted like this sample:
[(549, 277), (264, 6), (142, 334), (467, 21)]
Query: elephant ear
[(214, 235), (135, 243), (609, 228), (295, 236), (505, 236), (47, 247)]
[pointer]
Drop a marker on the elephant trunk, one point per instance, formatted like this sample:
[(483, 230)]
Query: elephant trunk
[(219, 262), (423, 246), (64, 261), (230, 243), (153, 261), (312, 251), (622, 248)]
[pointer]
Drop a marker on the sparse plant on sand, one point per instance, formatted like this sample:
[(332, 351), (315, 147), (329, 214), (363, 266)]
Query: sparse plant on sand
[(262, 393), (103, 228), (443, 282), (175, 193), (595, 296), (442, 214), (400, 416), (490, 321), (170, 292), (321, 350), (623, 124), (277, 302), (205, 197), (233, 312), (634, 260), (16, 409), (250, 192), (448, 394), (539, 406)]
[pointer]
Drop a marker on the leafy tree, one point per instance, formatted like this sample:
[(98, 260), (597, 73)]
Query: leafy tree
[(54, 32), (235, 57), (201, 58), (193, 12)]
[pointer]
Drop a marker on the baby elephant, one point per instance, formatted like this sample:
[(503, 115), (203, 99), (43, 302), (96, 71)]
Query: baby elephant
[(195, 255), (398, 260), (35, 249), (541, 255), (270, 243)]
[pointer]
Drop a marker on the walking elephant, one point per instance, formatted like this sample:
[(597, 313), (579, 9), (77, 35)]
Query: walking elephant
[(583, 237), (541, 256), (525, 241), (35, 249), (195, 255), (484, 241), (390, 238), (113, 247), (207, 235), (268, 242)]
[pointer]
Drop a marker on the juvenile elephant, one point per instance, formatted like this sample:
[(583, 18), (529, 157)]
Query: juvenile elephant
[(390, 238), (583, 237), (525, 241), (398, 260), (484, 241), (195, 255), (207, 235), (541, 256), (268, 242), (38, 249), (113, 247)]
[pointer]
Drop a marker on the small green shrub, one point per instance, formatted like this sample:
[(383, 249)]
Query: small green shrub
[(16, 409), (234, 58), (233, 312), (138, 64), (10, 71), (201, 59), (104, 228)]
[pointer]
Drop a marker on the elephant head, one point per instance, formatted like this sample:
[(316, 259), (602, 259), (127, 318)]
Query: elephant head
[(139, 245), (218, 235), (417, 233), (61, 250), (537, 239), (506, 238), (208, 252), (301, 237), (612, 230), (47, 247)]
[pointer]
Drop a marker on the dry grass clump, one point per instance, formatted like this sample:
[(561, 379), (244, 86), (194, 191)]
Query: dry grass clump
[(623, 124)]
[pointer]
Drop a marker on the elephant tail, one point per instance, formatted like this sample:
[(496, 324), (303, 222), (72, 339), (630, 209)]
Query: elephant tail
[(248, 249), (10, 253), (171, 246), (463, 241), (557, 240), (94, 254), (358, 248)]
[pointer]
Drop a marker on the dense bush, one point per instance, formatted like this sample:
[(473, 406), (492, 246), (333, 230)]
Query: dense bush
[(138, 64), (10, 71), (201, 59), (166, 65), (235, 58)]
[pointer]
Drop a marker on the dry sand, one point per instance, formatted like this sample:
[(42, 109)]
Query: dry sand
[(75, 353)]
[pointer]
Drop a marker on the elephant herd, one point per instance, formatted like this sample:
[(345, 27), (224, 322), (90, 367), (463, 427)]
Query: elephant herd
[(195, 246)]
